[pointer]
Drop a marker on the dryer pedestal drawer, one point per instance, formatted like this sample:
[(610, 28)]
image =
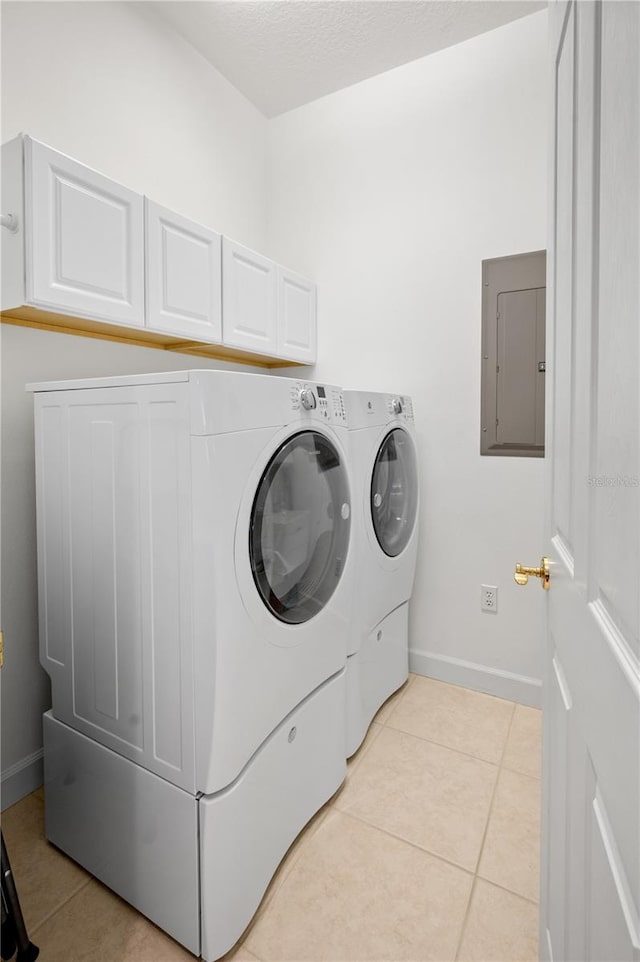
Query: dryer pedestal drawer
[(375, 672), (134, 831), (246, 829)]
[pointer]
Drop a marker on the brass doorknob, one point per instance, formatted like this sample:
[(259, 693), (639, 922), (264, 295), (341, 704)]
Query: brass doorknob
[(521, 576)]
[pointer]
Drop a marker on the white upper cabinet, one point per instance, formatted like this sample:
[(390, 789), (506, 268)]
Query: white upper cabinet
[(265, 307), (184, 276), (82, 252), (296, 317), (84, 240), (249, 299)]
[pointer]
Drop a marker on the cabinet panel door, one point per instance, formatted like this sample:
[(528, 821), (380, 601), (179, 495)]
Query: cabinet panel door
[(249, 299), (184, 276), (84, 240), (296, 317)]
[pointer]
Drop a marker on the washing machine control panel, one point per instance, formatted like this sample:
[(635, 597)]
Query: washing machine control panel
[(400, 406), (326, 403)]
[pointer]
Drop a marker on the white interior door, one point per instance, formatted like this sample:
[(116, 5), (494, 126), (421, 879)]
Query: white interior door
[(591, 783)]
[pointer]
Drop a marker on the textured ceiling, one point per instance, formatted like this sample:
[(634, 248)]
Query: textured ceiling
[(284, 53)]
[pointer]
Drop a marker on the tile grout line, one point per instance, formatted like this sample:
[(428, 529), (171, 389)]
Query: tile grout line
[(459, 751), (511, 768), (407, 685), (66, 901), (386, 724), (503, 888), (405, 841), (363, 749), (330, 806), (361, 752), (250, 951), (463, 927), (518, 771), (534, 778), (319, 818), (440, 858), (484, 834), (495, 787)]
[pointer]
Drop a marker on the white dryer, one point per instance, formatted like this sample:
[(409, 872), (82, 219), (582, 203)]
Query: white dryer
[(385, 511), (195, 592)]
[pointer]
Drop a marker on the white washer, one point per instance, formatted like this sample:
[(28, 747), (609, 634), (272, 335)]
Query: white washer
[(193, 535), (385, 485)]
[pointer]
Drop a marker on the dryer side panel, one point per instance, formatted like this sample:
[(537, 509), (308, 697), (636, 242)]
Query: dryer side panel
[(105, 536), (115, 561)]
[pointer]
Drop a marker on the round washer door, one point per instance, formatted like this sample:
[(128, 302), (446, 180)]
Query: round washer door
[(394, 492), (299, 530)]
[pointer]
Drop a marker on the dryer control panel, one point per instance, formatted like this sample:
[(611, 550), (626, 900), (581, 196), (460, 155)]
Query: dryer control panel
[(319, 400), (400, 406)]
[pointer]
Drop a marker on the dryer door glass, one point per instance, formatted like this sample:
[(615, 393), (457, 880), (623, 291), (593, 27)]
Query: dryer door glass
[(299, 533), (394, 492)]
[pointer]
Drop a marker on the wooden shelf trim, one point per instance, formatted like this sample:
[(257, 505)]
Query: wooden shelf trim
[(139, 337)]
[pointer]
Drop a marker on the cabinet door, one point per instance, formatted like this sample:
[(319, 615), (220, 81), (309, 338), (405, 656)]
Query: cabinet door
[(249, 299), (296, 317), (184, 276), (84, 240)]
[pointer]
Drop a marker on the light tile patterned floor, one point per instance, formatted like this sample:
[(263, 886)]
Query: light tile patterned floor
[(428, 852)]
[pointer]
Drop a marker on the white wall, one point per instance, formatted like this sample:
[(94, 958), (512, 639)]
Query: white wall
[(110, 86), (113, 87), (390, 194)]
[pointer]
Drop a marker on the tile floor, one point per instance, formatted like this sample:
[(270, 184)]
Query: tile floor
[(429, 851)]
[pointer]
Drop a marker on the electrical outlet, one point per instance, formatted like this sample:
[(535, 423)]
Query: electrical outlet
[(489, 598)]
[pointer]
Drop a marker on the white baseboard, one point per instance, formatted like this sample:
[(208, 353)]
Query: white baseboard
[(21, 779), (493, 681)]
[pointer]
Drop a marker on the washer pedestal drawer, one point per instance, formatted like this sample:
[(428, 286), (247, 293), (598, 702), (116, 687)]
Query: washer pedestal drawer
[(374, 672), (246, 829)]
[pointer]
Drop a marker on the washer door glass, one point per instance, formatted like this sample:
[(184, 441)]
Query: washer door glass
[(394, 492), (299, 531)]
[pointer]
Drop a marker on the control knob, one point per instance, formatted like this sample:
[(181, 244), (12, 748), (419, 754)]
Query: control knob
[(307, 399), (396, 405)]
